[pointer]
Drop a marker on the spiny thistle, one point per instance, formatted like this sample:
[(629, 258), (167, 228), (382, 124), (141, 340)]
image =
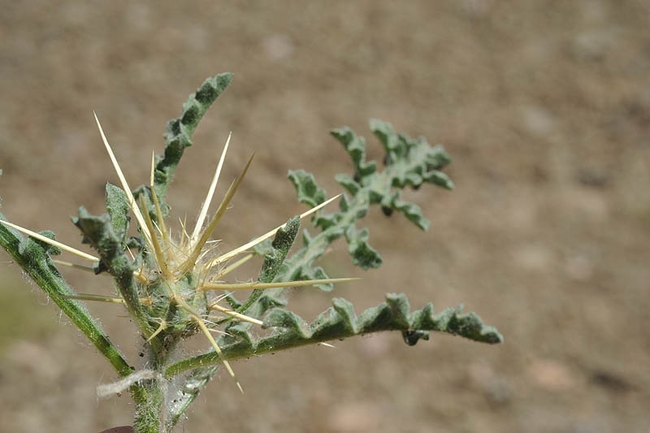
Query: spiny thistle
[(174, 285), (175, 275)]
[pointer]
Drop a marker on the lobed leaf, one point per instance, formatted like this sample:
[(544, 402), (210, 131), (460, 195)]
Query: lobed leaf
[(340, 321), (117, 205), (178, 135), (408, 162)]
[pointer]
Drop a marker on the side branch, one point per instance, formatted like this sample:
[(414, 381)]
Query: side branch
[(33, 257), (340, 321)]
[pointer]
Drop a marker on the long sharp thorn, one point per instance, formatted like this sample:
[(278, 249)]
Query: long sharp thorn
[(275, 285), (229, 269), (156, 202), (91, 297), (125, 185), (207, 233), (158, 252), (236, 315), (206, 331), (51, 241), (267, 235), (217, 349), (208, 199), (74, 265)]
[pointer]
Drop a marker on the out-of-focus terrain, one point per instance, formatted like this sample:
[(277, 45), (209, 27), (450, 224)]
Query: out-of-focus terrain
[(544, 106)]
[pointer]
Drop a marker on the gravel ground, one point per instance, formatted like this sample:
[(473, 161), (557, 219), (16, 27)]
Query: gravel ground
[(544, 105)]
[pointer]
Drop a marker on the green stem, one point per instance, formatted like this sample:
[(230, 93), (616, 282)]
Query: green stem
[(32, 256), (150, 409)]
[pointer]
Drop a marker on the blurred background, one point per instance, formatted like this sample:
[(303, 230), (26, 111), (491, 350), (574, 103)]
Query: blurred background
[(544, 106)]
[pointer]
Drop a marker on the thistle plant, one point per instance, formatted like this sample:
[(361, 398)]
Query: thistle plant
[(175, 285)]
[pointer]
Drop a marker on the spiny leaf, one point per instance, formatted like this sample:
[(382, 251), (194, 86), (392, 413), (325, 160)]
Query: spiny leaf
[(282, 242), (356, 148), (117, 205), (306, 188), (340, 321), (408, 162), (180, 130), (363, 255), (257, 304), (274, 254), (98, 232)]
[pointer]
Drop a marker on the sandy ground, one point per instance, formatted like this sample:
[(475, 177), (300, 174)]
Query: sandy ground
[(544, 105)]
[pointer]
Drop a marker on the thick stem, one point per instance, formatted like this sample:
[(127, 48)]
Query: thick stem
[(150, 407)]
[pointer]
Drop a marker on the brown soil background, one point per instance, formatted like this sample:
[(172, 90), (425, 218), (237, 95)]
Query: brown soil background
[(544, 105)]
